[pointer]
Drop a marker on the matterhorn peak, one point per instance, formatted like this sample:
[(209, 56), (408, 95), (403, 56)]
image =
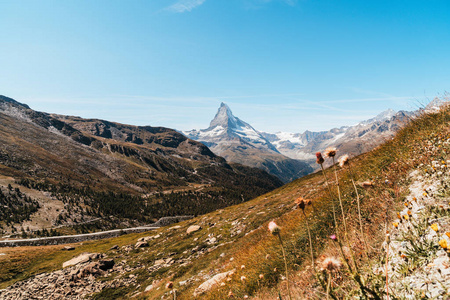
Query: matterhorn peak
[(224, 117)]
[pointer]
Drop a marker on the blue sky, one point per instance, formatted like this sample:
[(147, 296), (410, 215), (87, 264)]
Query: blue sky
[(281, 65)]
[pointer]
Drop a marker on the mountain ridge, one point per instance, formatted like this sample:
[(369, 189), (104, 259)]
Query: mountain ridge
[(239, 142)]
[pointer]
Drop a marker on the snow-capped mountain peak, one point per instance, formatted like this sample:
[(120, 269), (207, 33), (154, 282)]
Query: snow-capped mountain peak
[(225, 127), (381, 117), (224, 117)]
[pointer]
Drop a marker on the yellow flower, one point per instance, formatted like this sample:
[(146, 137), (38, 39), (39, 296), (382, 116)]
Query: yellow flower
[(409, 212), (398, 216), (395, 224), (406, 217), (443, 244), (435, 227), (447, 234), (425, 194), (414, 198)]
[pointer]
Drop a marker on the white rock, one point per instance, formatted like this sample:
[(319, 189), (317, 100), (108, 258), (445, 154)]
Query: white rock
[(193, 228)]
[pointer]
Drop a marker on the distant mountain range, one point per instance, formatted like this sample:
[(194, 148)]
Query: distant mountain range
[(69, 170), (237, 141), (291, 155)]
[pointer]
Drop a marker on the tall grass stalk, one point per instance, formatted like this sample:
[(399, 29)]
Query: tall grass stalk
[(285, 265), (332, 199), (275, 230), (310, 240), (343, 215), (359, 213)]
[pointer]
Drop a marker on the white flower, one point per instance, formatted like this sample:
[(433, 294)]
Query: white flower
[(274, 228)]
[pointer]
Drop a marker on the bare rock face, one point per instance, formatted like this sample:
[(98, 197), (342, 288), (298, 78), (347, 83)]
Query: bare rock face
[(193, 228), (82, 258), (210, 283)]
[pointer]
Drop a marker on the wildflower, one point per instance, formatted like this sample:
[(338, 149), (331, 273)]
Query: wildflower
[(398, 216), (242, 267), (343, 160), (409, 213), (169, 285), (331, 264), (302, 203), (319, 159), (230, 294), (447, 234), (275, 270), (435, 227), (261, 276), (406, 217), (414, 198), (395, 224), (443, 244), (268, 256), (243, 278), (330, 152), (274, 228), (333, 237)]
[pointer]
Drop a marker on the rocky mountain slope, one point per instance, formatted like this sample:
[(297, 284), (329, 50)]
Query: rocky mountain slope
[(61, 170), (354, 140), (239, 142), (400, 197)]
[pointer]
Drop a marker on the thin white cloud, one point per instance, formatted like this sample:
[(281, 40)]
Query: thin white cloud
[(185, 5)]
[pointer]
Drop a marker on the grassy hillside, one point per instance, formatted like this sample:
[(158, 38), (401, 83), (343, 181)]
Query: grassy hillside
[(236, 238)]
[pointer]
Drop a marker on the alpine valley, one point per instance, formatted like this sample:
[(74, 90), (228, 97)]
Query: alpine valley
[(88, 174)]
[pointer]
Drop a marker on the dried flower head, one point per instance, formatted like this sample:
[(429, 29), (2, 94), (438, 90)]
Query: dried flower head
[(330, 152), (319, 159), (169, 285), (302, 203), (443, 244), (331, 264), (435, 227), (343, 160), (274, 228)]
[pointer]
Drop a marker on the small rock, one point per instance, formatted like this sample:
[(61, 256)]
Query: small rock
[(193, 228), (68, 248), (149, 288), (141, 244)]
